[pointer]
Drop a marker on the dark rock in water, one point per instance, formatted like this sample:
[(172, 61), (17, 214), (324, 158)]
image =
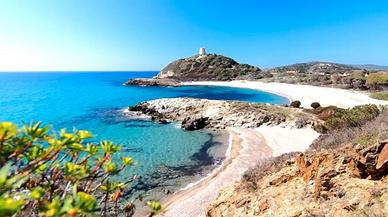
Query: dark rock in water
[(195, 124), (152, 82), (162, 121)]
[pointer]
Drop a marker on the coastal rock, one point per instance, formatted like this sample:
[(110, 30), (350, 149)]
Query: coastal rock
[(152, 82), (194, 124), (196, 114)]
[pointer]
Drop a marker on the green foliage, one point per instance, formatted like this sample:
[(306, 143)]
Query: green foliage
[(353, 117), (377, 78), (383, 95), (38, 169), (315, 105), (155, 206)]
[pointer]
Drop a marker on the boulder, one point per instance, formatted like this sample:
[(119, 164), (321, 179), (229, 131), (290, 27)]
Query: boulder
[(195, 124), (295, 104)]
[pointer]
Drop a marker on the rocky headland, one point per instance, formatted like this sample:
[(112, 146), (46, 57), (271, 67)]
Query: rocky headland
[(196, 114), (152, 82), (210, 67)]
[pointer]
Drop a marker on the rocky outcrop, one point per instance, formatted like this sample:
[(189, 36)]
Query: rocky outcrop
[(348, 181), (152, 82), (202, 113), (195, 124)]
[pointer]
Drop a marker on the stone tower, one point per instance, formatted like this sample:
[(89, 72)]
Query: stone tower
[(202, 51)]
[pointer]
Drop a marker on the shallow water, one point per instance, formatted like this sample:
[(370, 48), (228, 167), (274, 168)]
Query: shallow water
[(95, 100)]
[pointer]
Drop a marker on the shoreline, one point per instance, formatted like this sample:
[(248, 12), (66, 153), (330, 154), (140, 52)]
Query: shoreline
[(216, 148), (307, 94), (192, 201), (248, 147)]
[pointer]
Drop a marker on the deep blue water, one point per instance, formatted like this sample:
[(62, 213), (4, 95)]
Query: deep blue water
[(93, 101)]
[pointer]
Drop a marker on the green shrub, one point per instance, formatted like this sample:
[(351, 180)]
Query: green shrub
[(377, 78), (295, 104), (353, 117), (44, 173), (368, 134), (383, 95), (377, 81), (315, 105)]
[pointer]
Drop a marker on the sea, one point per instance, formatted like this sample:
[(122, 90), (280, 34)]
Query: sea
[(96, 101)]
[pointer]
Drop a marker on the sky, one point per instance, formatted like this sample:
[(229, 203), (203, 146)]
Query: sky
[(83, 35)]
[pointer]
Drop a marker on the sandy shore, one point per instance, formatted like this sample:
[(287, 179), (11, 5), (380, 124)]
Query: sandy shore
[(247, 148), (305, 93)]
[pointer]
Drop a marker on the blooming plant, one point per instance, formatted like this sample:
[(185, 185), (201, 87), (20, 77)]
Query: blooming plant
[(57, 174)]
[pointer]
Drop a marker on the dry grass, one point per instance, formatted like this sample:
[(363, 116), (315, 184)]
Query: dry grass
[(366, 134), (383, 95), (266, 167)]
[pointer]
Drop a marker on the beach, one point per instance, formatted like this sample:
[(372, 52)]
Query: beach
[(247, 148), (306, 94)]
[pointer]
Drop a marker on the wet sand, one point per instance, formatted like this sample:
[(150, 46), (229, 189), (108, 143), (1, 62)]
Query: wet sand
[(247, 149)]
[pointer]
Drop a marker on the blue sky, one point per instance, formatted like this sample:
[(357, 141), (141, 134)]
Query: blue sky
[(146, 35)]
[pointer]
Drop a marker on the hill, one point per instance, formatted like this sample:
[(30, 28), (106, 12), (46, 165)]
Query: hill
[(315, 67), (372, 67), (211, 67)]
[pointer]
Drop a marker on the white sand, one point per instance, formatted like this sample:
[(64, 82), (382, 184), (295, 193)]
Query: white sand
[(248, 148), (305, 93), (284, 140)]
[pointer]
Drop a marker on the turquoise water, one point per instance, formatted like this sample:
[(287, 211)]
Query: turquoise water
[(94, 101)]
